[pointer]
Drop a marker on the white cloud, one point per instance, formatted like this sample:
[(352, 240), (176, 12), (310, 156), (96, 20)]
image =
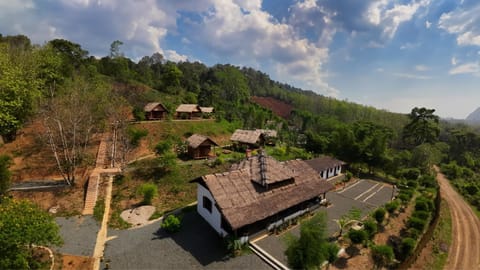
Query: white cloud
[(428, 24), (411, 76), (472, 67), (381, 14), (250, 37), (409, 46), (421, 68), (464, 23), (174, 56), (453, 61)]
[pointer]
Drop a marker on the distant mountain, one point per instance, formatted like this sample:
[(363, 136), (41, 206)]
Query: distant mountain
[(474, 117)]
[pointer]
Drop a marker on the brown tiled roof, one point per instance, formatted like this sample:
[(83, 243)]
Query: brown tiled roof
[(243, 202), (246, 136), (152, 105), (323, 163), (188, 108), (273, 171), (196, 140), (206, 109)]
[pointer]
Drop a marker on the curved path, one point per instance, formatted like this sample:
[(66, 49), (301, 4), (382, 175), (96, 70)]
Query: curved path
[(464, 253)]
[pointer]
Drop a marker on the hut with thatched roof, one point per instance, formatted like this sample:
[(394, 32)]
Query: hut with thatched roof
[(200, 146)]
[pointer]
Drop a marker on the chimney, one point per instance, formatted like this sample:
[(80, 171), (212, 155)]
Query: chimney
[(248, 153)]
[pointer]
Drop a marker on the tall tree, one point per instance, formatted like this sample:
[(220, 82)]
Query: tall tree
[(115, 51), (422, 128)]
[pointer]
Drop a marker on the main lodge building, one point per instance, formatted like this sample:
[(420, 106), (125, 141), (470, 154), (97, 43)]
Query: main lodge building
[(258, 193)]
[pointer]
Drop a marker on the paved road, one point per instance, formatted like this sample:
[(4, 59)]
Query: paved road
[(464, 252), (78, 234)]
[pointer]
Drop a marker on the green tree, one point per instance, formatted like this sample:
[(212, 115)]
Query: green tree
[(115, 51), (5, 175), (311, 248), (19, 89), (22, 225), (422, 128)]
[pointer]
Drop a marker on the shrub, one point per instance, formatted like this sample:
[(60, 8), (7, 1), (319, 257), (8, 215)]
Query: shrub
[(428, 181), (171, 224), (371, 228), (404, 197), (392, 206), (421, 214), (357, 236), (162, 147), (411, 173), (413, 233), (148, 191), (382, 255), (379, 215), (424, 204), (417, 223), (407, 246), (413, 184), (136, 134), (348, 175), (118, 179)]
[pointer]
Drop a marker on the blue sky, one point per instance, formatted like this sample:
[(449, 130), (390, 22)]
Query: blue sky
[(393, 55)]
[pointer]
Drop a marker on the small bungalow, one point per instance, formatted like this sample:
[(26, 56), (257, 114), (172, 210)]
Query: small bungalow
[(254, 138), (155, 111), (257, 194), (188, 111), (199, 146), (207, 112), (326, 166)]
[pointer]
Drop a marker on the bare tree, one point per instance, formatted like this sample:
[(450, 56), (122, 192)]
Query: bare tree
[(70, 118), (119, 113)]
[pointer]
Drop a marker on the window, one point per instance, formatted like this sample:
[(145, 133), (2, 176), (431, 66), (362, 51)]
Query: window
[(207, 204)]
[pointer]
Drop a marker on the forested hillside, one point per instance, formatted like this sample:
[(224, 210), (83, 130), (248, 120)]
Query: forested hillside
[(60, 80)]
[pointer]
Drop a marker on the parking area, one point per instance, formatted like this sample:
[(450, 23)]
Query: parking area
[(195, 246), (365, 195)]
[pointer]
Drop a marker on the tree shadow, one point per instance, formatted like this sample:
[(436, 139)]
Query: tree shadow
[(197, 238), (341, 263), (352, 251)]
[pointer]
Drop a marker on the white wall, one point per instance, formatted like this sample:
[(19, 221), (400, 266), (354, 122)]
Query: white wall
[(330, 172), (214, 218)]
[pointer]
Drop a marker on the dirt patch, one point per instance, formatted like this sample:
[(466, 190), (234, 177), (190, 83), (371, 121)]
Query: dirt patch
[(278, 107), (71, 262), (138, 216)]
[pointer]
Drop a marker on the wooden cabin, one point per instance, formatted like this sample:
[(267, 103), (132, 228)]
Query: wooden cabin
[(200, 146), (155, 111)]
